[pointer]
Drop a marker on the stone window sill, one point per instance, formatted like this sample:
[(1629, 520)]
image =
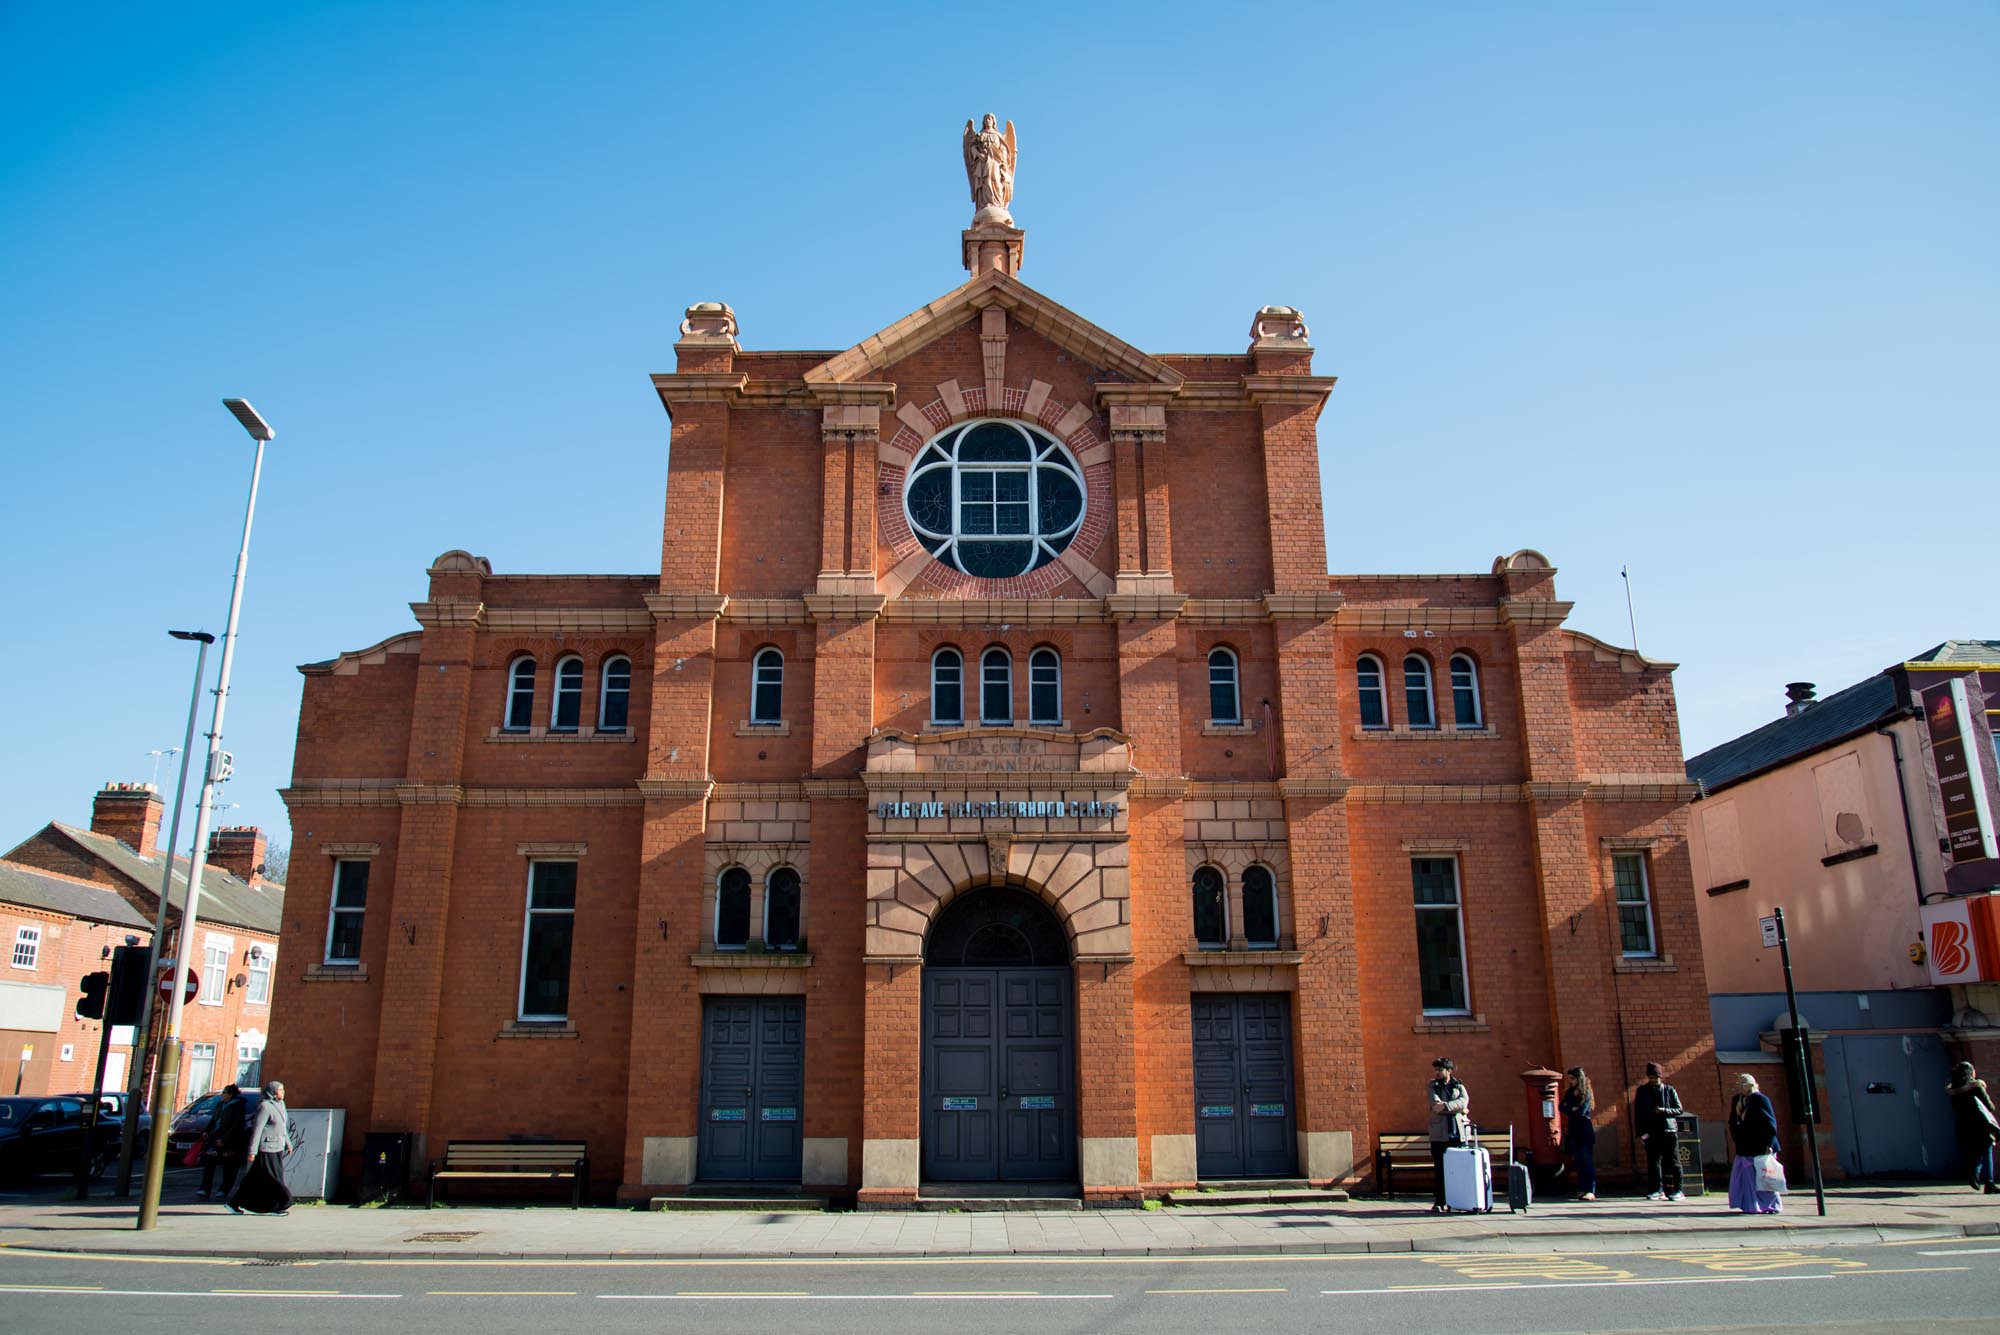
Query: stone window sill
[(537, 1029), (1224, 958), (782, 728), (752, 959), (336, 973), (1404, 733), (1451, 1024), (580, 736), (1217, 728), (1646, 964)]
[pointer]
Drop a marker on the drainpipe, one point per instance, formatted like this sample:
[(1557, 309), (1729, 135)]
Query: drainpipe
[(1903, 801)]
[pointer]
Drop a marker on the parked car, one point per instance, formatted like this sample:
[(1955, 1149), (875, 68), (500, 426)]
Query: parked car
[(111, 1114), (192, 1121), (41, 1136)]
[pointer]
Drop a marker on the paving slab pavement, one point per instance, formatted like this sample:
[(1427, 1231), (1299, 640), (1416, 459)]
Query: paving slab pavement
[(1855, 1213)]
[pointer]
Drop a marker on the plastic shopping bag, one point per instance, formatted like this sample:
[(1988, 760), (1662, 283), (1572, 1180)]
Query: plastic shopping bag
[(1770, 1174)]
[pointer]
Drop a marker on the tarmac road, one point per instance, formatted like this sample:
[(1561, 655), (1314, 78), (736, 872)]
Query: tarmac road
[(1948, 1285)]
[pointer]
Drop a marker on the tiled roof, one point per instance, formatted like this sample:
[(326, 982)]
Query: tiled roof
[(1961, 651), (1820, 724), (35, 888), (225, 901)]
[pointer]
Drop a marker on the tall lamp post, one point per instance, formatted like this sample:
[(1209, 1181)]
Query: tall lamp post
[(144, 1032), (166, 1082)]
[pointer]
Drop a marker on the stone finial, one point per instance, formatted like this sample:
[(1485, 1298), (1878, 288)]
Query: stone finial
[(709, 323), (1279, 327)]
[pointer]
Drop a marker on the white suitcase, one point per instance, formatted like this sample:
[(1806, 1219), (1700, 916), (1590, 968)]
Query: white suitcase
[(1468, 1179)]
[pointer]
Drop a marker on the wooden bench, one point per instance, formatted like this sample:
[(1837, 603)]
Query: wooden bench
[(1412, 1149), (515, 1160)]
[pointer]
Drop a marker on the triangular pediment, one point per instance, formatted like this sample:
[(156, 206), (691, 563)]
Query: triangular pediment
[(1061, 326)]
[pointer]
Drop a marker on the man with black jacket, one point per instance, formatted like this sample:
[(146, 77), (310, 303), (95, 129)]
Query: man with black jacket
[(1653, 1112)]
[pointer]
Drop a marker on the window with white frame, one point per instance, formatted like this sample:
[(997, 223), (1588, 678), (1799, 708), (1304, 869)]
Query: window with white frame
[(215, 955), (767, 687), (614, 694), (1635, 905), (1044, 687), (947, 687), (249, 1060), (545, 940), (348, 909), (996, 687), (27, 946), (201, 1069), (1368, 685), (1225, 695), (732, 910), (1260, 907), (1440, 936), (566, 711), (1465, 710), (1211, 909), (258, 992), (994, 498), (1417, 702), (520, 695), (781, 909)]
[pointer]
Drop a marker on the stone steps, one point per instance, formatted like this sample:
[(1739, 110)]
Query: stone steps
[(1264, 1191), (716, 1201)]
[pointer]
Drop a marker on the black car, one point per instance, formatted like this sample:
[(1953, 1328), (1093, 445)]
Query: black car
[(40, 1136), (111, 1114), (192, 1121)]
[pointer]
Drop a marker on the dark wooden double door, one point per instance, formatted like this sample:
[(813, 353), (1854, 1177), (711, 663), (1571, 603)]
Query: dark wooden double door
[(752, 1089), (999, 1088), (1245, 1122)]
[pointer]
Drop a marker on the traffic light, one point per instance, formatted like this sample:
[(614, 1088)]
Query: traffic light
[(129, 978), (90, 1006)]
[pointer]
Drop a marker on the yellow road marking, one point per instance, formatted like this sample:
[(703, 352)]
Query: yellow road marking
[(1218, 1290), (1905, 1270), (61, 1288), (1758, 1259)]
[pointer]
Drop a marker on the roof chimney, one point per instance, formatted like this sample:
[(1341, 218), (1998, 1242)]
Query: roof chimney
[(129, 812), (1798, 697), (238, 850)]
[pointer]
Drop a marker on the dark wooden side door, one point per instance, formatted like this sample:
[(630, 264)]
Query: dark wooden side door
[(752, 1089), (1245, 1124), (998, 1088)]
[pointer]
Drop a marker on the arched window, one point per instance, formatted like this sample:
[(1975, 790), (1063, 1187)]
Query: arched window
[(947, 687), (1211, 909), (1260, 907), (767, 687), (1465, 692), (614, 694), (1368, 683), (566, 711), (1045, 687), (1225, 700), (781, 909), (520, 695), (1417, 692), (732, 910), (996, 687)]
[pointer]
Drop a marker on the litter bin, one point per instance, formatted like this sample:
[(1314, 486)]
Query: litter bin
[(1688, 1126), (385, 1165)]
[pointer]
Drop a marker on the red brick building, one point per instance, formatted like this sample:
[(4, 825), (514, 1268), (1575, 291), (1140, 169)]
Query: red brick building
[(992, 784)]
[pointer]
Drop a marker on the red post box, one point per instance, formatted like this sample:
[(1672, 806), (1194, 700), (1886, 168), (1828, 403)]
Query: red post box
[(1542, 1143)]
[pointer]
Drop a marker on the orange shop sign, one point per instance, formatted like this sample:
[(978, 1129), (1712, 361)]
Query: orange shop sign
[(1964, 939)]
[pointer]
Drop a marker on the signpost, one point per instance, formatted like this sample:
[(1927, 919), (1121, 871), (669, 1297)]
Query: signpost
[(1798, 1055)]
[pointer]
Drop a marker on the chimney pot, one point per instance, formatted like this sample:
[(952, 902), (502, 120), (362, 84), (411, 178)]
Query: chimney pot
[(1798, 697), (130, 813)]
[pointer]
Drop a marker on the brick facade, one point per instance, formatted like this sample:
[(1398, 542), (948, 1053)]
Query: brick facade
[(1202, 528)]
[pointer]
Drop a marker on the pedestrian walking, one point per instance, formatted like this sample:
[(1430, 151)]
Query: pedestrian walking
[(1753, 1135), (263, 1190), (222, 1142), (1451, 1124), (1653, 1113), (1978, 1127), (1579, 1105)]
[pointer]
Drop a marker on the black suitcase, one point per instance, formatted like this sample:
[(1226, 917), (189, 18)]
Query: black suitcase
[(1520, 1193)]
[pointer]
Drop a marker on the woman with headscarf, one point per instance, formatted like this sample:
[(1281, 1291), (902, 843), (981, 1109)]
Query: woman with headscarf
[(263, 1189), (1753, 1132), (1978, 1128)]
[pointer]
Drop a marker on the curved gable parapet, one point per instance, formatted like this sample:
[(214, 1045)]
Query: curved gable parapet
[(1628, 660), (351, 662)]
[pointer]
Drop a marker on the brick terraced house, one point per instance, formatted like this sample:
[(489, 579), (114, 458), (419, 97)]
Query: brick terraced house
[(991, 787)]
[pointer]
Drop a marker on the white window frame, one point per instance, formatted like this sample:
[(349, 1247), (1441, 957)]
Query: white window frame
[(263, 966), (516, 690), (957, 686), (197, 1054), (1044, 451), (715, 920), (1222, 877), (528, 916), (1470, 684), (31, 937), (214, 975), (566, 682), (1277, 928), (1005, 660), (252, 1043), (1429, 687), (1039, 660), (605, 692), (1457, 909), (1644, 901), (772, 659), (1234, 668), (766, 929), (334, 909), (1367, 663)]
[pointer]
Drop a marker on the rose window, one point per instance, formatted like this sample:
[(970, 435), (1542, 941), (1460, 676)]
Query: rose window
[(994, 498)]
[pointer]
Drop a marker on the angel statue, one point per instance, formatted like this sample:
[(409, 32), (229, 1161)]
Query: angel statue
[(989, 169)]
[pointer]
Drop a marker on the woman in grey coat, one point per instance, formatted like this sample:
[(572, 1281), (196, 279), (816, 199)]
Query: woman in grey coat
[(263, 1189)]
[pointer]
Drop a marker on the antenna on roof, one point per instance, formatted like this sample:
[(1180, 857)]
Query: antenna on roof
[(1630, 619), (168, 751)]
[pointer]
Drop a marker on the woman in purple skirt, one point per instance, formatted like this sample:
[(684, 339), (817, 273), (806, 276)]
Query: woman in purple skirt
[(1753, 1131)]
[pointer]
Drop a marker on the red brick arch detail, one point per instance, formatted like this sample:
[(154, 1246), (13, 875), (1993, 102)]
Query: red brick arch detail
[(1040, 583)]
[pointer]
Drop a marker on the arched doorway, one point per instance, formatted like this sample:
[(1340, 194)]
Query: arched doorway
[(999, 1065)]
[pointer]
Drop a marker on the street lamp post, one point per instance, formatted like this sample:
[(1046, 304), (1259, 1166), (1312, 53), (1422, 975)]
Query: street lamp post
[(144, 1033), (166, 1081)]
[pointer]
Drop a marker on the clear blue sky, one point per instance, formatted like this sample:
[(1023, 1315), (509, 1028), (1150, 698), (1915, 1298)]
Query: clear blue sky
[(1709, 290)]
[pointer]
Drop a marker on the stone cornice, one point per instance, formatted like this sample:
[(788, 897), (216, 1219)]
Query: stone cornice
[(1161, 786), (1544, 791), (1318, 605), (1220, 959), (1308, 390), (994, 611), (670, 790), (342, 793), (448, 616), (767, 612), (430, 794), (1316, 785), (1231, 790), (1643, 788), (551, 797), (1144, 606), (862, 393), (1534, 611), (700, 386), (1363, 619), (845, 606), (822, 789), (569, 620), (1414, 794), (687, 606)]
